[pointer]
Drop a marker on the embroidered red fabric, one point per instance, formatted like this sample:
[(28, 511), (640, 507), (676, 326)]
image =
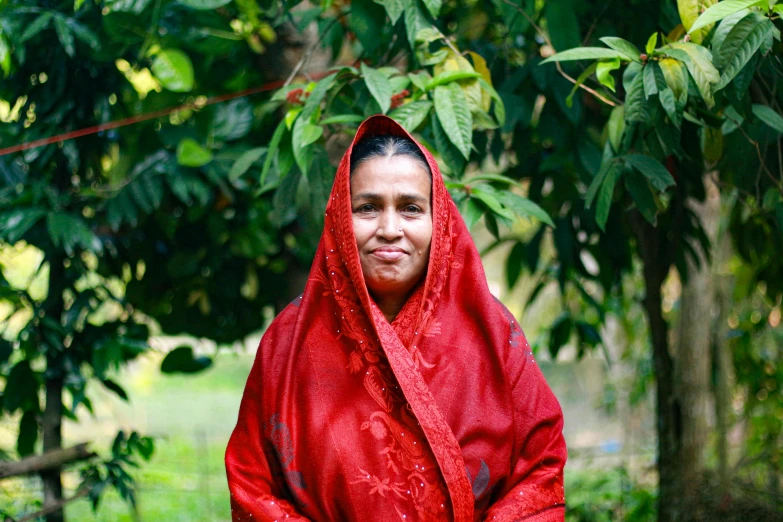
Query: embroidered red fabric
[(441, 415)]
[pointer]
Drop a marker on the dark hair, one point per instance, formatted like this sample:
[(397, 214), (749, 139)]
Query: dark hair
[(387, 145)]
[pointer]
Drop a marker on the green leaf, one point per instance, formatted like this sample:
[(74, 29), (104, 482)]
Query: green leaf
[(719, 11), (675, 77), (651, 169), (291, 115), (732, 122), (394, 8), (604, 72), (84, 34), (127, 6), (233, 120), (585, 53), (5, 55), (523, 207), (616, 126), (415, 21), (411, 114), (625, 47), (697, 55), (689, 12), (204, 4), (69, 230), (433, 6), (454, 115), (605, 194), (769, 41), (368, 22), (560, 334), (303, 155), (768, 116), (28, 434), (273, 146), (669, 104), (342, 118), (419, 80), (595, 184), (14, 223), (447, 150), (514, 264), (310, 134), (652, 43), (490, 199), (493, 178), (191, 154), (635, 102), (723, 30), (21, 388), (37, 25), (116, 388), (642, 195), (741, 43), (561, 19), (579, 81), (471, 212), (588, 334), (174, 70), (450, 76), (379, 87), (698, 60), (428, 34), (499, 107), (654, 81), (182, 360), (244, 162), (65, 35)]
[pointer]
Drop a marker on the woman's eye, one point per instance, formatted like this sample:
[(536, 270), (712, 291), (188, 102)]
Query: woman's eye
[(412, 209), (365, 208)]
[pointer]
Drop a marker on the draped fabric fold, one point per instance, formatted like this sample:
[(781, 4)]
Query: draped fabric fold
[(440, 415)]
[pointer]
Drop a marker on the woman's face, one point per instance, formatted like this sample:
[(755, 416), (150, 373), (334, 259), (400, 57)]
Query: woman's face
[(392, 223)]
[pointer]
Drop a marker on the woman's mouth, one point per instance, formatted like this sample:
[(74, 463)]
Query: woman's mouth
[(388, 253)]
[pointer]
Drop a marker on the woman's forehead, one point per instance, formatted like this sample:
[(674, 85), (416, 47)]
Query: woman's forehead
[(391, 174)]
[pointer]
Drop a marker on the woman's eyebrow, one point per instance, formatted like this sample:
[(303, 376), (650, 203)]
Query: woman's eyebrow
[(412, 197), (372, 196)]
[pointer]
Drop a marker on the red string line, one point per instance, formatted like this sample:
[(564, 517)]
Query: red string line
[(139, 118)]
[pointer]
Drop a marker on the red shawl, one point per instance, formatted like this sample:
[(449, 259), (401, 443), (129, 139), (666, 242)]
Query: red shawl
[(441, 415)]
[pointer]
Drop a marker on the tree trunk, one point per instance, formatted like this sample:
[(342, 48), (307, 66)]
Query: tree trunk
[(51, 423), (655, 269), (722, 358), (52, 440), (693, 362)]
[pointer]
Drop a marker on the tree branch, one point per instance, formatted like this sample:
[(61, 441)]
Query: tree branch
[(49, 460)]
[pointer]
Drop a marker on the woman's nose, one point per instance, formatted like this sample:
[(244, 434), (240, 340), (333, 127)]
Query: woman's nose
[(390, 226)]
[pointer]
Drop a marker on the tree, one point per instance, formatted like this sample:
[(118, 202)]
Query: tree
[(681, 99), (164, 225)]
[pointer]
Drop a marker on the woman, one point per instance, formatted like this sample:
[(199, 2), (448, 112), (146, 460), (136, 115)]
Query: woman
[(396, 387)]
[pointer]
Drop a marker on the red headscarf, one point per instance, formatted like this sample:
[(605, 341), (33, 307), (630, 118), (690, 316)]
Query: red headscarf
[(440, 415)]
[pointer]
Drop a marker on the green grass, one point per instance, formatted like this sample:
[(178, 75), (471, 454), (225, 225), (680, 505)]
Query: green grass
[(191, 418)]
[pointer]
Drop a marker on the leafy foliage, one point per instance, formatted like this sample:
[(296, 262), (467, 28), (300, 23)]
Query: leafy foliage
[(198, 222)]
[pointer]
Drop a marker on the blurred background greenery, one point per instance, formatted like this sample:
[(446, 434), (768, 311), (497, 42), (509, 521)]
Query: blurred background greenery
[(627, 200)]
